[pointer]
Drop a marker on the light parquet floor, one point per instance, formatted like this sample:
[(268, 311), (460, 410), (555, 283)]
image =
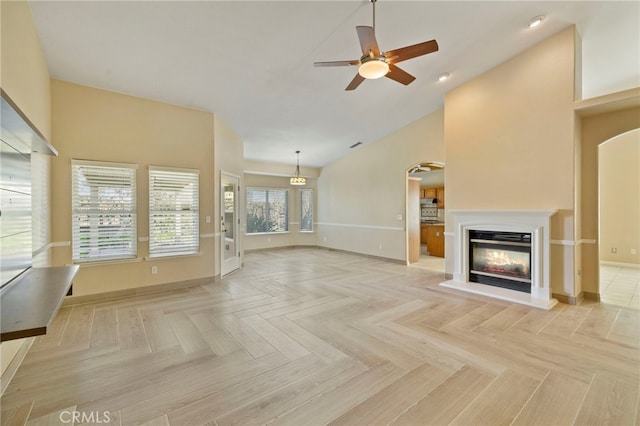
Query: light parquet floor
[(315, 337)]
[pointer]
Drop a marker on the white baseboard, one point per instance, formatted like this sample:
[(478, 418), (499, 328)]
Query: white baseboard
[(621, 264)]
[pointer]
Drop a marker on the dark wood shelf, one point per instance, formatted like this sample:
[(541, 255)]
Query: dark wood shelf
[(31, 302)]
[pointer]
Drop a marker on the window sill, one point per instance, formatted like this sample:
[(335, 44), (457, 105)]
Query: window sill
[(267, 233), (87, 263), (172, 256)]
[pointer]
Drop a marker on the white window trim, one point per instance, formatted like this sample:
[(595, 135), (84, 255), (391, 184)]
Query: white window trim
[(286, 190), (75, 241), (312, 230), (187, 250)]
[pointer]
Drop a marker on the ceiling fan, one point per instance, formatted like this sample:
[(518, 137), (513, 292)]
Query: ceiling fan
[(374, 63), (418, 169)]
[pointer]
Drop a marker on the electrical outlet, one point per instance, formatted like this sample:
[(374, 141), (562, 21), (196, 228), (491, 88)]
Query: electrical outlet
[(614, 250), (634, 251), (380, 246), (325, 238), (269, 239), (154, 269), (207, 219)]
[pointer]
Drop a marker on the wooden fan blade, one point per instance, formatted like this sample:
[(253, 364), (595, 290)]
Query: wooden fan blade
[(368, 41), (399, 75), (409, 52), (355, 82), (336, 63)]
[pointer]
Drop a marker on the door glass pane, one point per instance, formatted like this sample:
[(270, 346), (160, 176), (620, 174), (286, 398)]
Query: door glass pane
[(229, 220)]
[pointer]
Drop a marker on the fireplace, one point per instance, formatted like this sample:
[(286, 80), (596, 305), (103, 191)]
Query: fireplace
[(501, 259), (502, 254)]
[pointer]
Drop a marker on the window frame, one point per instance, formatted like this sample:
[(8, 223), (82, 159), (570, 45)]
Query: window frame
[(94, 214), (266, 190), (302, 220), (191, 176)]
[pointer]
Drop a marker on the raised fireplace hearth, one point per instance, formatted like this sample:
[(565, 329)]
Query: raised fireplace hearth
[(503, 254)]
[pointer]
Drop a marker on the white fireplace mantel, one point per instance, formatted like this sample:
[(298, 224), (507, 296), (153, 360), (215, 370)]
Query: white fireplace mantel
[(536, 222)]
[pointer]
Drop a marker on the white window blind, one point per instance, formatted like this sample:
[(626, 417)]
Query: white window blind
[(104, 211), (267, 210), (306, 210), (173, 212)]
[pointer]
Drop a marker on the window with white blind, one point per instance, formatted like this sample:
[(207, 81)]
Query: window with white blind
[(267, 210), (104, 211), (173, 211), (306, 210)]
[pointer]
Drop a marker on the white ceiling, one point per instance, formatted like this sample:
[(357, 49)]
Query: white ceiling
[(251, 62)]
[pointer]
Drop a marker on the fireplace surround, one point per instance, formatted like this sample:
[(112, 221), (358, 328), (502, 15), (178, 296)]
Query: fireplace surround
[(511, 249)]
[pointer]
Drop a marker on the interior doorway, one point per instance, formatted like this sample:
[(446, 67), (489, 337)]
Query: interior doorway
[(425, 215), (619, 219)]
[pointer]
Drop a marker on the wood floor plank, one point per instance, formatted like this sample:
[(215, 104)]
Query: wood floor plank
[(246, 336), (276, 338), (476, 317), (158, 330), (626, 328), (609, 402), (442, 405), (500, 402), (386, 405), (105, 328), (187, 333), (503, 319), (242, 394), (331, 404), (78, 329), (599, 322), (213, 334), (53, 419), (310, 341), (16, 416), (131, 329), (556, 401), (567, 321)]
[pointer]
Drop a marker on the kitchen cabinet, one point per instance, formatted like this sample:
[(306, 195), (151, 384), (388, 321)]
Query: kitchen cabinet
[(428, 193), (440, 197), (435, 240), (423, 233)]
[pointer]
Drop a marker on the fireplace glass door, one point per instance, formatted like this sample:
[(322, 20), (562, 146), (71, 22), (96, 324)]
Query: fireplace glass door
[(501, 259)]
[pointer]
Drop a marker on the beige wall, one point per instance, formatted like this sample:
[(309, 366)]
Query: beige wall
[(619, 168), (229, 158), (24, 77), (509, 137), (362, 195), (92, 124), (285, 239), (596, 129)]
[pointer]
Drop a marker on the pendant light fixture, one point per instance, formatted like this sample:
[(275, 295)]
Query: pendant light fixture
[(297, 179)]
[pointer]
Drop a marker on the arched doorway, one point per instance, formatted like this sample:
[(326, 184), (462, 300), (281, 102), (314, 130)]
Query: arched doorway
[(619, 219), (425, 215)]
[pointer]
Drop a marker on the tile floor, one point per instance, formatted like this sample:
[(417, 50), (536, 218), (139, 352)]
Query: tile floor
[(620, 285)]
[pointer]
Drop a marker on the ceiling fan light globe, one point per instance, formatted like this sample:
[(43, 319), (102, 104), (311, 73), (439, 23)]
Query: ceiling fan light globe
[(373, 69)]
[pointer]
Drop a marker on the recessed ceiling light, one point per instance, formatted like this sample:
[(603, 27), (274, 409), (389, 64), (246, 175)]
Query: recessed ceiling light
[(443, 77), (535, 21)]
